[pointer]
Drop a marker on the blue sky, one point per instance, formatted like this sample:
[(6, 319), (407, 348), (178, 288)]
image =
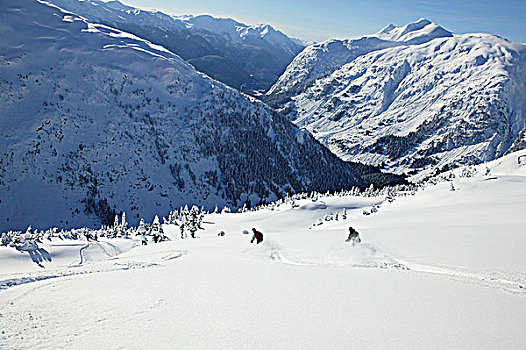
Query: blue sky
[(318, 20)]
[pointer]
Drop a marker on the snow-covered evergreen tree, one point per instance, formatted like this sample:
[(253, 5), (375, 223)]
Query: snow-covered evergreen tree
[(124, 226), (173, 217), (182, 228), (193, 221), (157, 231), (141, 231)]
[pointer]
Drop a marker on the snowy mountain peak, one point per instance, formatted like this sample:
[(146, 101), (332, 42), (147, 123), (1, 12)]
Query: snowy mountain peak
[(387, 29), (410, 27), (418, 24), (417, 32)]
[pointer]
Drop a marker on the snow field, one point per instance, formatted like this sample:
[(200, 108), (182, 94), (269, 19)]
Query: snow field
[(441, 269)]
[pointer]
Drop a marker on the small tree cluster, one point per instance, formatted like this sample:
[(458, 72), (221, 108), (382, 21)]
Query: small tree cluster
[(157, 232), (30, 239), (119, 229), (22, 241), (191, 221)]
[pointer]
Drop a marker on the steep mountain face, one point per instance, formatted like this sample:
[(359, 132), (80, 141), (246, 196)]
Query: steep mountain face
[(248, 58), (94, 120), (321, 59), (414, 99)]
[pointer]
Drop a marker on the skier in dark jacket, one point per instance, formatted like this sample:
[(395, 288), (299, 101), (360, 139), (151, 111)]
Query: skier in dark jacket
[(258, 236), (354, 236)]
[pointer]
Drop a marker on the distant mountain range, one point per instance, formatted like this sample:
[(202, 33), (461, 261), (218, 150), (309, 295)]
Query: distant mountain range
[(415, 99), (95, 120), (248, 58), (104, 108)]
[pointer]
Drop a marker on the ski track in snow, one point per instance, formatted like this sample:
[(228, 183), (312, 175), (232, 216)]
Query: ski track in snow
[(374, 261), (88, 264), (73, 271), (101, 246), (513, 283), (175, 255), (81, 255), (510, 283)]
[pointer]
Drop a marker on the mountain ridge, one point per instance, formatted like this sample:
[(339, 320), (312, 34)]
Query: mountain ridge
[(324, 57), (250, 58), (413, 108)]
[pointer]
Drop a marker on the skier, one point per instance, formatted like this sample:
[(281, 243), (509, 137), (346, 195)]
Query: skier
[(354, 236), (258, 236)]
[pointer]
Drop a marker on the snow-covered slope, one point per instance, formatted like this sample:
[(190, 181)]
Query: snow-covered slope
[(95, 120), (243, 56), (441, 269), (415, 98)]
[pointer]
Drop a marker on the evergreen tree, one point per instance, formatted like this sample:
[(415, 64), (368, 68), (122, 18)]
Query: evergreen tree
[(182, 228), (156, 230), (124, 226), (114, 231), (193, 221), (172, 217), (141, 231)]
